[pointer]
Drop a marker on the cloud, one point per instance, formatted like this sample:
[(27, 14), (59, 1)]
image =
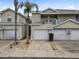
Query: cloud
[(5, 7), (2, 8), (44, 6), (71, 7)]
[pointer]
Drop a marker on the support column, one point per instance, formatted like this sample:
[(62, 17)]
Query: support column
[(3, 34), (31, 33), (48, 19)]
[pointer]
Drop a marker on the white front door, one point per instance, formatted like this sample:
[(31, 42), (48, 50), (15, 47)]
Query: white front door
[(74, 34), (9, 34), (59, 34), (40, 35)]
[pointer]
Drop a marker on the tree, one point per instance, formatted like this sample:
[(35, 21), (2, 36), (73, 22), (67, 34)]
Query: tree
[(27, 10), (17, 6)]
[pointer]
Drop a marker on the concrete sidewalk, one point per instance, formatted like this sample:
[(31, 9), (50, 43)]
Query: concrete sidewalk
[(37, 49), (5, 43)]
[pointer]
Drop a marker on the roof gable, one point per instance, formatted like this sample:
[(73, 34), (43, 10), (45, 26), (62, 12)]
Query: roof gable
[(57, 11), (68, 24), (12, 11), (48, 11)]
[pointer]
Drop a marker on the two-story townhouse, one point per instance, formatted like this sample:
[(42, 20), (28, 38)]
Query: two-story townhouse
[(7, 25), (59, 24)]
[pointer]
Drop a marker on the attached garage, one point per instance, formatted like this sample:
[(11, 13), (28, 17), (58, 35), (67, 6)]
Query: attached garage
[(68, 30), (74, 34), (40, 34), (9, 34), (59, 34), (1, 34), (63, 34)]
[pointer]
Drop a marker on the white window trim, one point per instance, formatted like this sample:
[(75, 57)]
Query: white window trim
[(10, 20), (56, 21), (0, 19)]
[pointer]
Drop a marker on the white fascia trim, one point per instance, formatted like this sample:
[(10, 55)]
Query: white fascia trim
[(67, 21)]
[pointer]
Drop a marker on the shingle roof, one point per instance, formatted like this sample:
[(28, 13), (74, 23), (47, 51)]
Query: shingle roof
[(8, 9), (59, 11)]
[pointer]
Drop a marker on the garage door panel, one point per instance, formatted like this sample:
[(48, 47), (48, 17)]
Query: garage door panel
[(40, 35), (59, 34), (1, 34), (75, 35), (9, 34)]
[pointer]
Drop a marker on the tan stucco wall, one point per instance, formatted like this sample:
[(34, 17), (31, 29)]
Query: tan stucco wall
[(20, 20), (10, 14), (19, 32), (68, 25), (36, 18), (49, 12), (42, 27), (0, 17), (36, 27), (62, 18)]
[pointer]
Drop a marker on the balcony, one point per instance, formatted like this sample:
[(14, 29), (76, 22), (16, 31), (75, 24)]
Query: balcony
[(46, 21), (49, 21)]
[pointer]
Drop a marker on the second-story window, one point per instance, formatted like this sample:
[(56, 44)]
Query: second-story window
[(43, 22), (51, 19), (77, 18), (54, 21), (44, 19), (9, 19)]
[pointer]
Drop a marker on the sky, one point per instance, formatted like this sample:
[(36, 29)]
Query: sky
[(44, 4)]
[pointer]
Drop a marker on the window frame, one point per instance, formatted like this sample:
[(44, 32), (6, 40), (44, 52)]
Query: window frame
[(77, 18), (54, 20), (9, 19), (68, 32)]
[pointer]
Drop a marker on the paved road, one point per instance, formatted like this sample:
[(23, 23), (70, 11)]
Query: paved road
[(71, 46)]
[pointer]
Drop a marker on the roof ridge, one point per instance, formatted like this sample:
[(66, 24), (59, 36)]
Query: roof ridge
[(66, 21), (11, 10)]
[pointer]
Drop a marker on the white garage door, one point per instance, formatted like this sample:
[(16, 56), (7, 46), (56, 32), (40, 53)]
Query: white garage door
[(1, 34), (40, 35), (59, 34), (74, 34), (10, 34)]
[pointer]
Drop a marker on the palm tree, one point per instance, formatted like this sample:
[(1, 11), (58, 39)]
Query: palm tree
[(27, 10), (17, 6)]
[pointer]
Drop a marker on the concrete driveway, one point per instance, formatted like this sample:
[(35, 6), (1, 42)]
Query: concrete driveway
[(4, 43), (37, 49), (71, 46)]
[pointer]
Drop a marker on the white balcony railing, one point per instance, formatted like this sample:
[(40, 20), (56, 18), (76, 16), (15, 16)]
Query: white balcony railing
[(49, 21), (46, 21)]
